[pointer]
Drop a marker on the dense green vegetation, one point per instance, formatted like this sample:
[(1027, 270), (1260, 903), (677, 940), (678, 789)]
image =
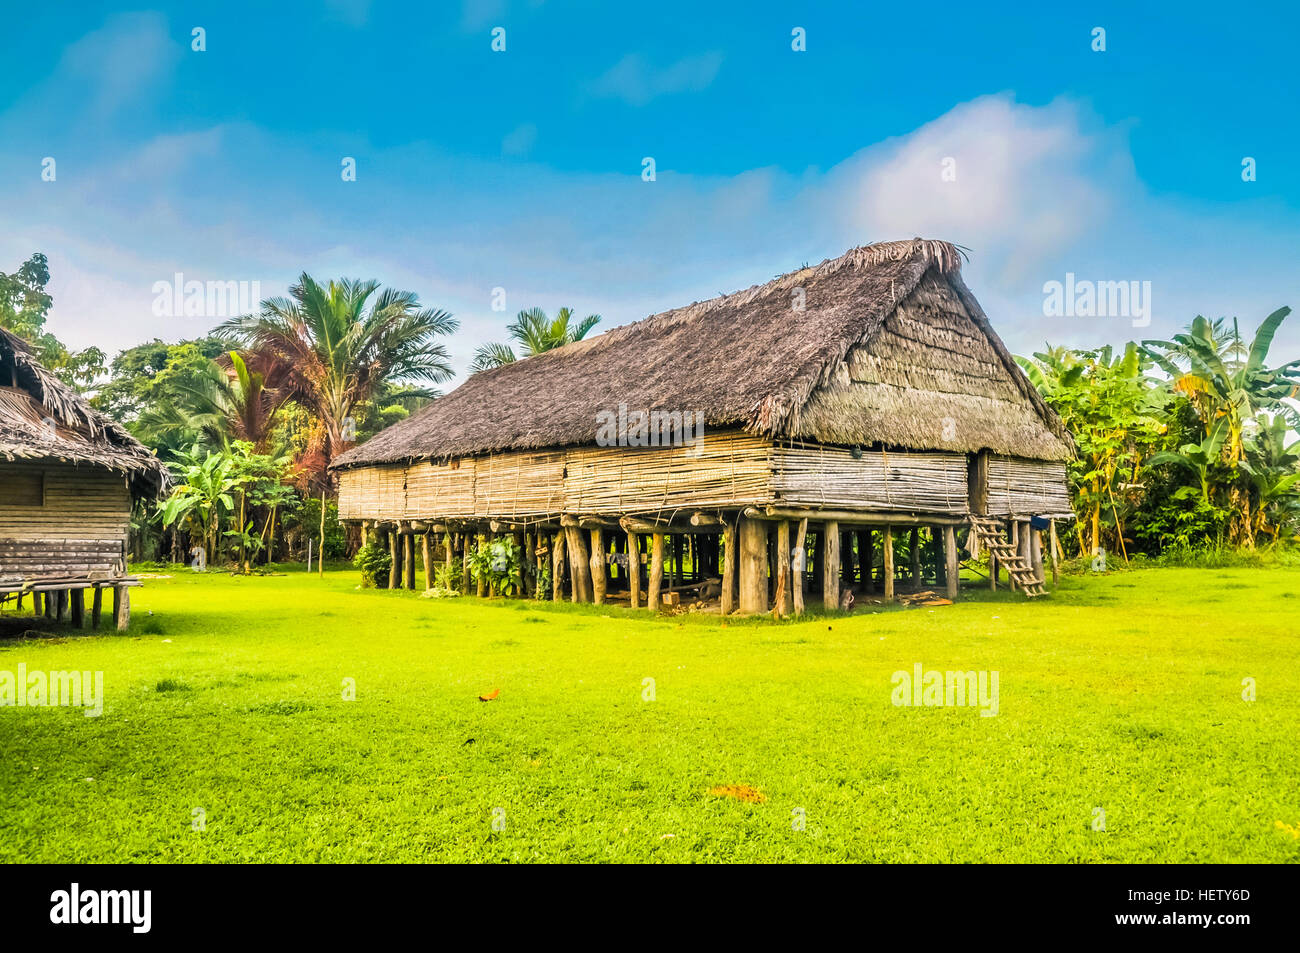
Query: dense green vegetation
[(1182, 444), (1123, 692)]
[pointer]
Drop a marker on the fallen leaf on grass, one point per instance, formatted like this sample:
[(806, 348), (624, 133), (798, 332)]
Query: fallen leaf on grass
[(741, 792), (490, 695)]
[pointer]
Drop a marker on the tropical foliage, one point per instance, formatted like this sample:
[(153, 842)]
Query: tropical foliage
[(1182, 444), (339, 342), (534, 333)]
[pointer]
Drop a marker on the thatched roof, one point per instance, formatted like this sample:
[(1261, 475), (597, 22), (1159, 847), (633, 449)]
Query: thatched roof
[(41, 418), (890, 349)]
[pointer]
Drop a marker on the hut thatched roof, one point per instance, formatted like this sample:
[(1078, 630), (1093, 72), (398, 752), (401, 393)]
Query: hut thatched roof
[(41, 418), (890, 348)]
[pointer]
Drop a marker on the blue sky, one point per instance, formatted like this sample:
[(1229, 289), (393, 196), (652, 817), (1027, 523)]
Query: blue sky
[(522, 169)]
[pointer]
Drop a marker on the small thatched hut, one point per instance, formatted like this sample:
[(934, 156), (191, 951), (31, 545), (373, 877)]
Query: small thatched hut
[(840, 403), (68, 476)]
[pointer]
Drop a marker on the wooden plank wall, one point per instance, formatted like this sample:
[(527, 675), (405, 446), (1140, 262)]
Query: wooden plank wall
[(81, 525)]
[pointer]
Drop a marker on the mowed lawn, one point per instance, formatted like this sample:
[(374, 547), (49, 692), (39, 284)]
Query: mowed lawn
[(1122, 693)]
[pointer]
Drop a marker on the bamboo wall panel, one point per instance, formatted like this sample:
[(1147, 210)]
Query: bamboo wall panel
[(373, 493), (880, 480), (519, 485), (1027, 488), (439, 489), (726, 469), (723, 470)]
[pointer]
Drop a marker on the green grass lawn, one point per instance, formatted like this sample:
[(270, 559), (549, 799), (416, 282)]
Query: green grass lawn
[(1122, 693)]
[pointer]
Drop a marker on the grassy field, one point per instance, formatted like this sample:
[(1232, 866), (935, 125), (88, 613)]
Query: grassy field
[(1122, 693)]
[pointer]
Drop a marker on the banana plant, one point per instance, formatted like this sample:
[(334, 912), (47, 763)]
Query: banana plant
[(1200, 458)]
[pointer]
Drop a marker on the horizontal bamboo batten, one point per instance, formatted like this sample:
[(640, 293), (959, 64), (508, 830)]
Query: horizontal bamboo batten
[(882, 480), (726, 469), (1028, 488)]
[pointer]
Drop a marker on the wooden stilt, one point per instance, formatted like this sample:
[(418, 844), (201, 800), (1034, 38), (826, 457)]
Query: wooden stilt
[(784, 599), (78, 599), (656, 571), (634, 570), (395, 552), (1036, 552), (993, 570), (729, 568), (1054, 549), (64, 605), (799, 556), (481, 590), (466, 578), (952, 569), (427, 560), (408, 555), (598, 566), (579, 564), (830, 560), (557, 565), (751, 564), (887, 570), (527, 559), (122, 606), (96, 606), (447, 558)]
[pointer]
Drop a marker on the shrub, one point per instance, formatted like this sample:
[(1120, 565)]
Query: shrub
[(375, 563)]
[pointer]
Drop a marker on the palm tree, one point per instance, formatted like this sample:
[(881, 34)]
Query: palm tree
[(240, 401), (535, 333), (341, 341)]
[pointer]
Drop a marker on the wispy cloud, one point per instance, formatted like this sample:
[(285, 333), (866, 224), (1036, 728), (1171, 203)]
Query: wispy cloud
[(355, 13), (636, 82), (520, 140), (116, 63)]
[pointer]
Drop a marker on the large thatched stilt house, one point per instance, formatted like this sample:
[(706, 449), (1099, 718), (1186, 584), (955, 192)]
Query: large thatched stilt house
[(843, 406), (68, 476)]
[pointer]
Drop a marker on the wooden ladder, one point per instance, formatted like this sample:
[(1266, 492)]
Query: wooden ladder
[(990, 534)]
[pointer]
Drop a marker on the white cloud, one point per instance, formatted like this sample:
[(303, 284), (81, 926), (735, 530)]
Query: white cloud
[(636, 82)]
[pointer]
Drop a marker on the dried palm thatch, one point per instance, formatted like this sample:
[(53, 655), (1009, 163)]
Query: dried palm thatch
[(41, 418), (881, 346)]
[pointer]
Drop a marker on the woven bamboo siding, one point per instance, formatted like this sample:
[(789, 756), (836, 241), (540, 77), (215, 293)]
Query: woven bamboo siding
[(731, 470), (724, 470), (519, 484), (727, 469), (1027, 488), (373, 493), (879, 480), (80, 527), (439, 489)]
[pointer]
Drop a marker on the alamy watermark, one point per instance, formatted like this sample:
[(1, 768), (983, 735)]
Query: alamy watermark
[(653, 428), (130, 907), (205, 299), (1074, 298), (37, 689), (936, 689)]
